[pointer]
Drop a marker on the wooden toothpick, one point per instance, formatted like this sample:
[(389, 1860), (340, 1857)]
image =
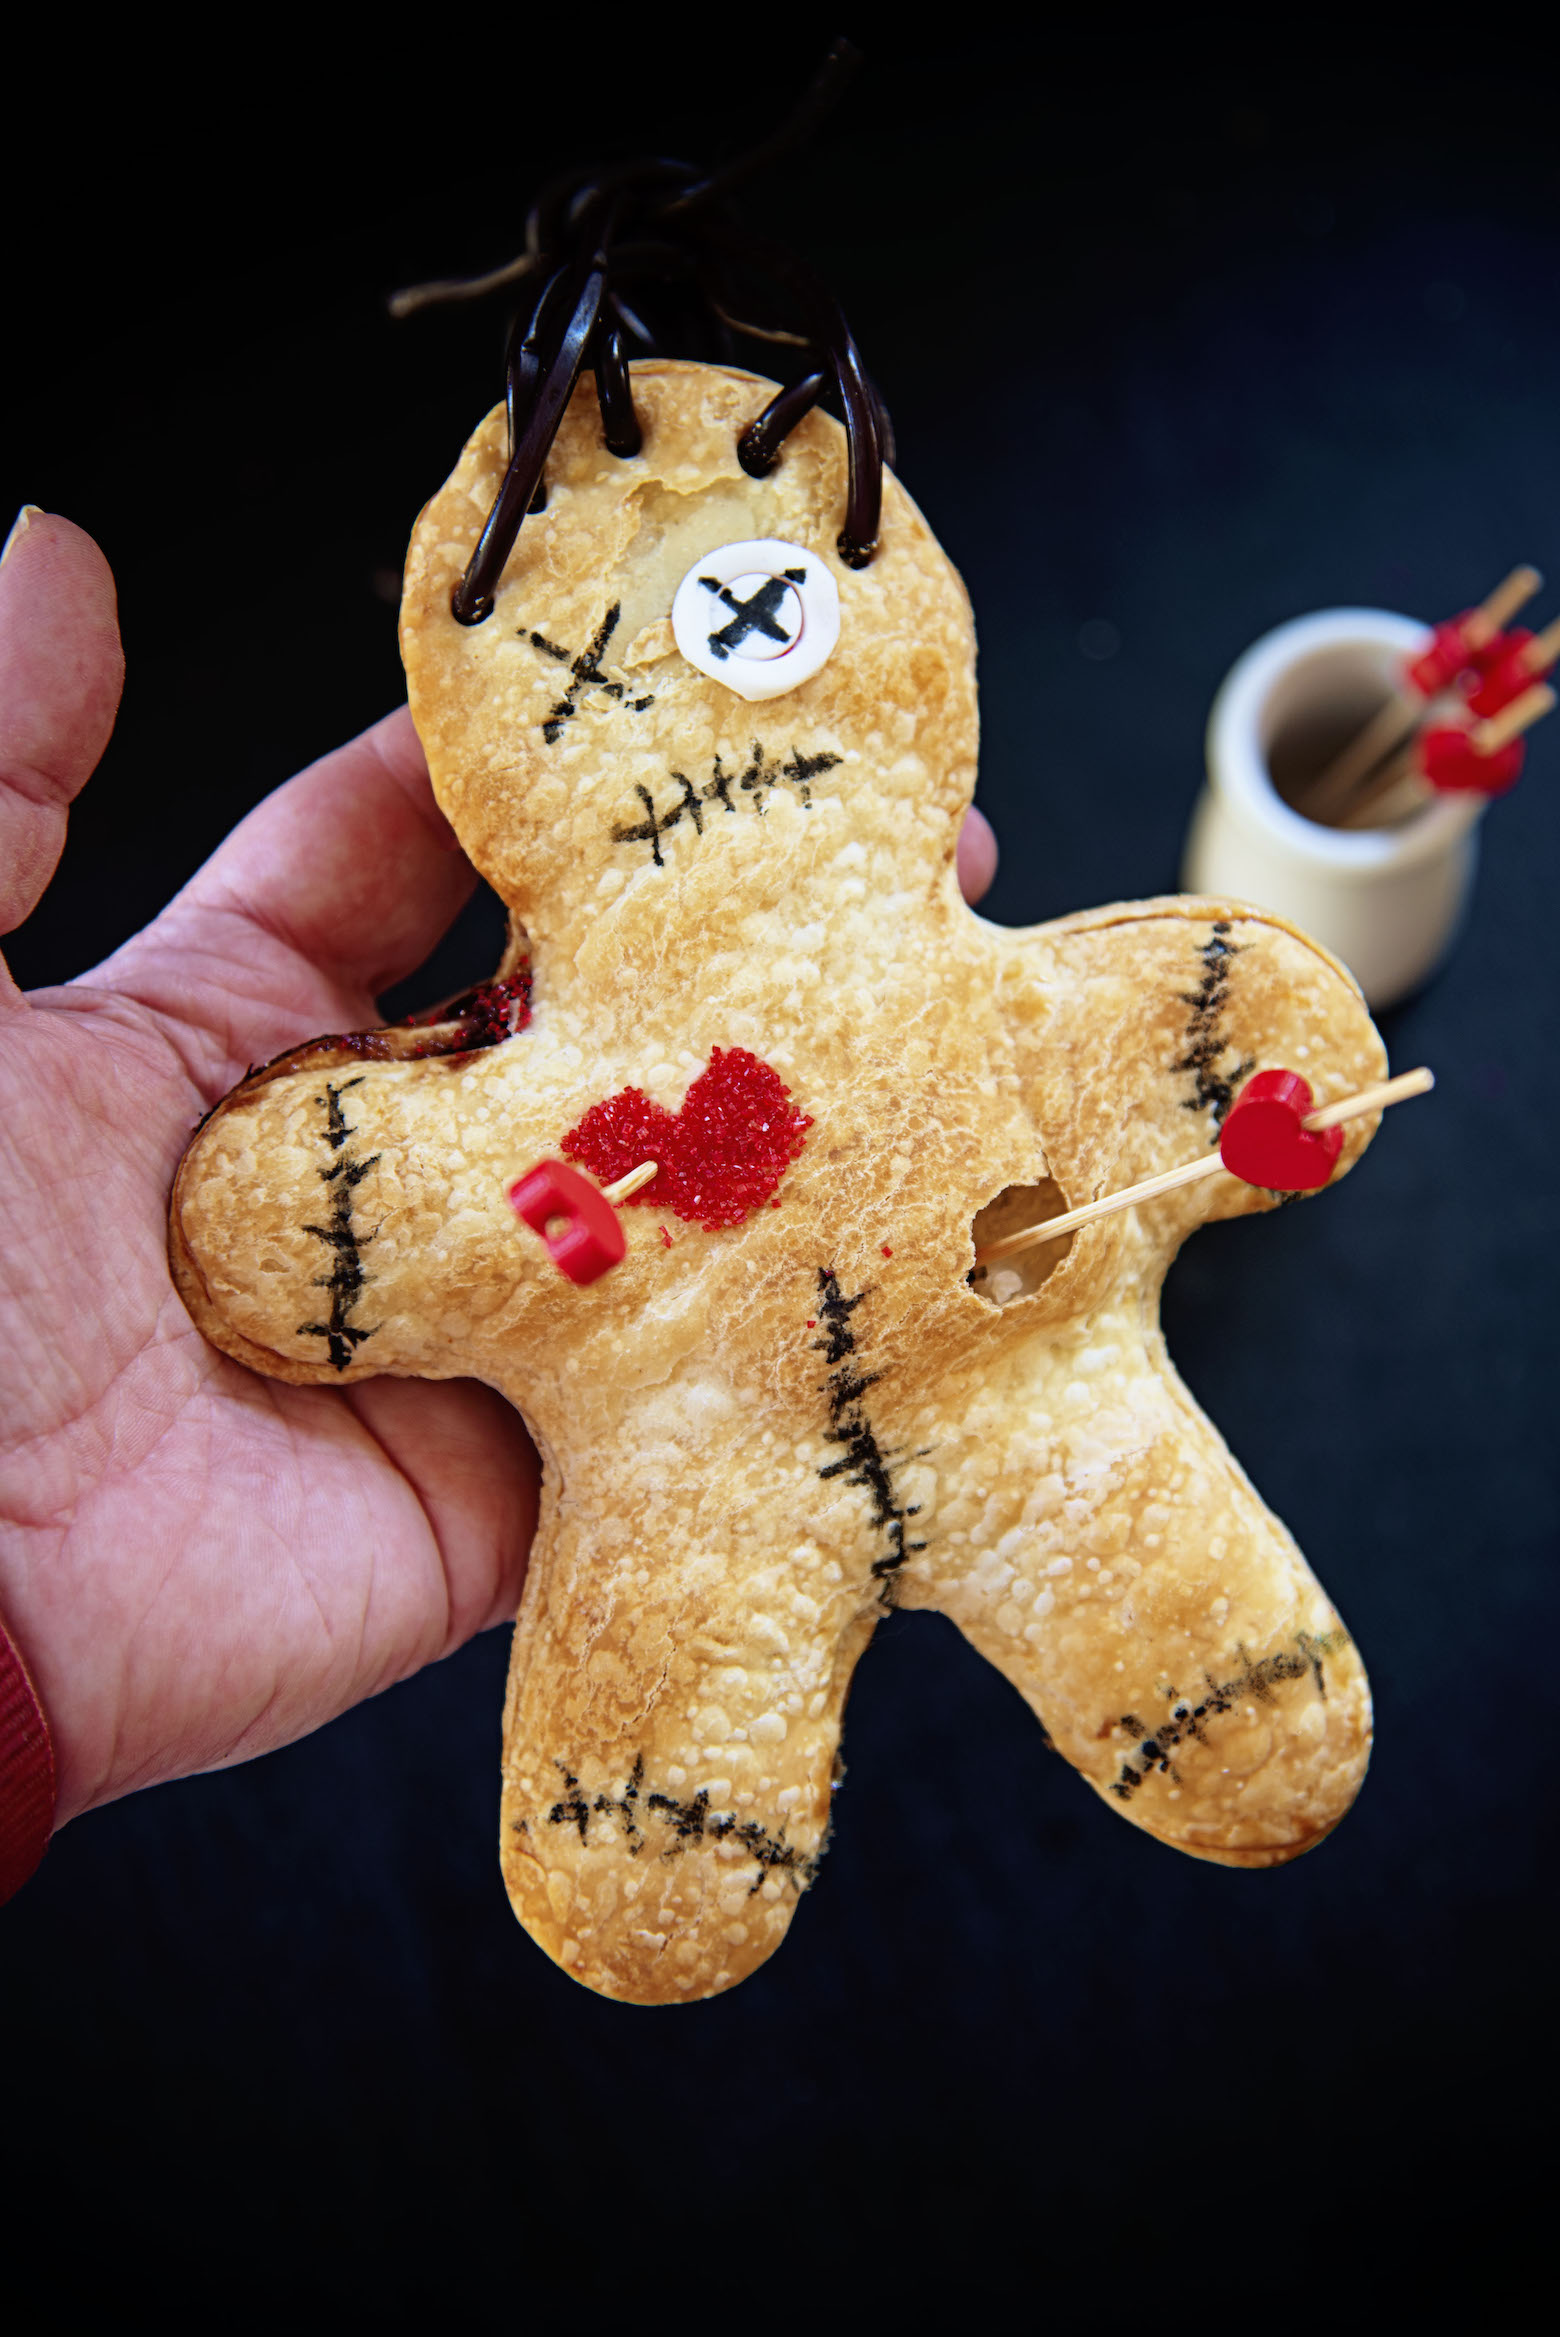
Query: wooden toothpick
[(1400, 790), (1377, 1098), (1488, 737), (1389, 727), (1540, 653), (1511, 594), (1351, 1107), (635, 1182)]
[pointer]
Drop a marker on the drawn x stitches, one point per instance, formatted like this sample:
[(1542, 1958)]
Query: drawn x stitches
[(584, 674), (343, 1236), (1206, 1042), (688, 1820), (764, 773), (864, 1462)]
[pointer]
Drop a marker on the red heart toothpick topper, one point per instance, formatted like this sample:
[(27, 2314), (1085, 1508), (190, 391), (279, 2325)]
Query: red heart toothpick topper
[(1454, 766), (1449, 653), (1500, 672), (721, 1156), (578, 1224), (1265, 1141)]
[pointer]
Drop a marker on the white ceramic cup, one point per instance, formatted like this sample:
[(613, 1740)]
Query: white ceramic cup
[(1388, 901)]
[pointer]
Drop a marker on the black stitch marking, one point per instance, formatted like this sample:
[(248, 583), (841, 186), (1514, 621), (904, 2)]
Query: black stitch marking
[(1315, 1649), (771, 1850), (689, 1821), (686, 1818), (625, 1804), (762, 775), (584, 674), (574, 1809), (719, 789), (1205, 1043), (346, 1278), (691, 804), (864, 1462), (834, 1314), (1254, 1680), (647, 830), (336, 1129), (757, 782)]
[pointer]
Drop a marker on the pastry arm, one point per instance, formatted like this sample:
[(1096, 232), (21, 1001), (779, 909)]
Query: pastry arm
[(1133, 1030), (336, 1222)]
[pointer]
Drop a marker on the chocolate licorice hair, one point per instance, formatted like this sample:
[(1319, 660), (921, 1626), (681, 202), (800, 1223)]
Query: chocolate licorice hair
[(604, 245)]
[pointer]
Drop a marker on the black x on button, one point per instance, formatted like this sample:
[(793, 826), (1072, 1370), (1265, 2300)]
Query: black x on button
[(761, 617), (766, 614)]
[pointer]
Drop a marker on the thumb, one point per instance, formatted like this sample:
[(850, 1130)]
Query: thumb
[(61, 672)]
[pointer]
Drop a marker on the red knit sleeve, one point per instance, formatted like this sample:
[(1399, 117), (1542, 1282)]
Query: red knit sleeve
[(26, 1774)]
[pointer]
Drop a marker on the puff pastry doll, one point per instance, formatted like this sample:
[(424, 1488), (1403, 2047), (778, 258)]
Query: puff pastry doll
[(696, 687)]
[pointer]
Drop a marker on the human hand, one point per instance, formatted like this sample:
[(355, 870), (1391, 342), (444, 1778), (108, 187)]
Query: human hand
[(197, 1564)]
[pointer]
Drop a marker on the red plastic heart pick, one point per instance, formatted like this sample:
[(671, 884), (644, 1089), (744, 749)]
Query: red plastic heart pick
[(589, 1239), (1265, 1143), (1454, 766)]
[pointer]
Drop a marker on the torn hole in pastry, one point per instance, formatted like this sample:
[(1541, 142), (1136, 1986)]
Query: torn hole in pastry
[(1015, 1207), (674, 531)]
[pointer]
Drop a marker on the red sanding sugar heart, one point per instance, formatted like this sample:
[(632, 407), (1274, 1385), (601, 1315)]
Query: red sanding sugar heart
[(720, 1157), (1264, 1143)]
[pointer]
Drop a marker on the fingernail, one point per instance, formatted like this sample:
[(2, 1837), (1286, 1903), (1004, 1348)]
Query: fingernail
[(19, 526)]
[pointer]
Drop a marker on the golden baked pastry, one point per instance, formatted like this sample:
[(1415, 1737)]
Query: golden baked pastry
[(758, 1434)]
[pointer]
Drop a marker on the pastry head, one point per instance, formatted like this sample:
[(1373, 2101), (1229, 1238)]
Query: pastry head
[(574, 746)]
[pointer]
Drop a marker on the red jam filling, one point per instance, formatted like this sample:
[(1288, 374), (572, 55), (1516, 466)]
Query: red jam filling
[(720, 1157), (479, 1018), (498, 1010)]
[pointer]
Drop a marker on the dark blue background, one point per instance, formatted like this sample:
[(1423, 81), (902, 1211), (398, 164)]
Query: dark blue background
[(1174, 345)]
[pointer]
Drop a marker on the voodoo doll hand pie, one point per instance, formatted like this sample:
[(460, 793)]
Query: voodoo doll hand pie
[(738, 948)]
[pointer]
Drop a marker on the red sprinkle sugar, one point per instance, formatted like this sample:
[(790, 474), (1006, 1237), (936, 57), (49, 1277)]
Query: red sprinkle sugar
[(720, 1157)]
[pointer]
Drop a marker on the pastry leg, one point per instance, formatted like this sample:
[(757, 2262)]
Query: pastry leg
[(1098, 1543), (673, 1719)]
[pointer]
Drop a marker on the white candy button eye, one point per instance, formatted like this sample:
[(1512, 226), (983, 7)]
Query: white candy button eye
[(760, 617)]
